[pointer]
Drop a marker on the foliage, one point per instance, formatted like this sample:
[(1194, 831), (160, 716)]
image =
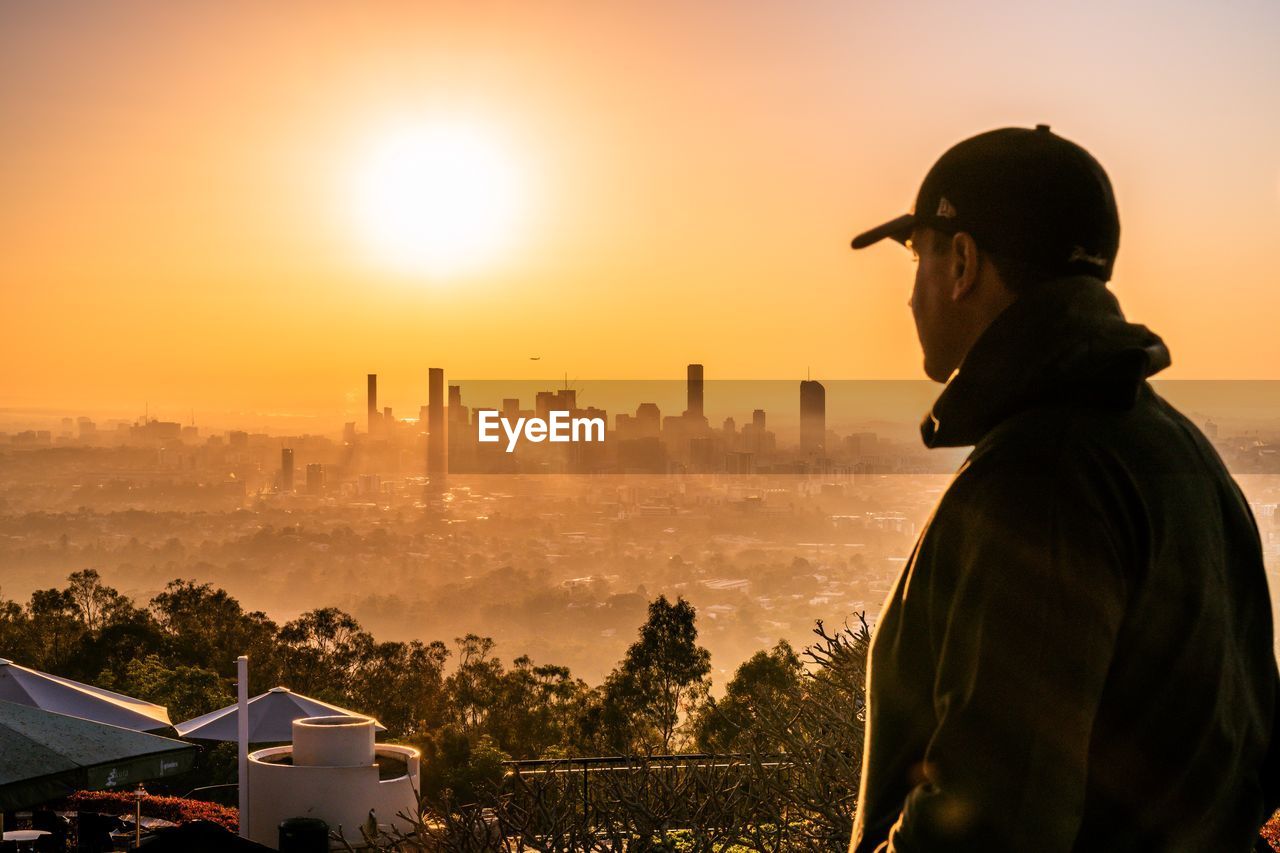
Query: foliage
[(456, 769), (206, 627), (790, 788), (661, 681), (768, 683), (323, 650), (1271, 832), (174, 809), (787, 733), (187, 691)]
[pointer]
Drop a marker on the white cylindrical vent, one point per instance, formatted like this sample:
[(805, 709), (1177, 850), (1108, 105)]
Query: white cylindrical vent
[(333, 741)]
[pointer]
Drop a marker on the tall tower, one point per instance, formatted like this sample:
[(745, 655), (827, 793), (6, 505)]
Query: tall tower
[(373, 404), (437, 440), (286, 469), (457, 413), (694, 408), (813, 416)]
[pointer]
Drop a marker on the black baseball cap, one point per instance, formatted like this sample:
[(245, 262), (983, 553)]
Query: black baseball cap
[(1026, 194)]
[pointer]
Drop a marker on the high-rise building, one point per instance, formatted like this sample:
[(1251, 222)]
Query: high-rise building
[(648, 420), (457, 412), (437, 437), (373, 404), (694, 407), (286, 469), (315, 478), (813, 416)]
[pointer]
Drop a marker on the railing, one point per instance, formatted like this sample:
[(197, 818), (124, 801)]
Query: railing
[(223, 795), (673, 785)]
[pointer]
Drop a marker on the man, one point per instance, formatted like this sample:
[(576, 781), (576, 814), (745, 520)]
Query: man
[(1078, 655)]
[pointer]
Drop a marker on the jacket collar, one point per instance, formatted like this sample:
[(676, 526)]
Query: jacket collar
[(1064, 342)]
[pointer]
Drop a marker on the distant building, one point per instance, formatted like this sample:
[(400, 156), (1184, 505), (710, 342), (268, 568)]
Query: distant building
[(457, 412), (286, 469), (649, 420), (315, 478), (813, 416), (373, 404), (437, 434), (694, 391), (755, 438)]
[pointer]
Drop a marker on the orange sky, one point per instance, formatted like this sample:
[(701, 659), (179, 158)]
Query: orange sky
[(175, 186)]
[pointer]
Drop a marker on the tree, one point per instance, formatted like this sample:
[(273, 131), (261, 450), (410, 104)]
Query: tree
[(14, 631), (94, 600), (402, 684), (54, 628), (207, 627), (186, 691), (536, 709), (130, 634), (661, 680), (323, 651), (473, 686), (766, 685)]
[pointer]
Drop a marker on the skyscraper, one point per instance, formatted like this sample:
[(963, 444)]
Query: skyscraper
[(694, 407), (813, 416), (373, 404), (315, 478), (457, 412), (437, 440), (286, 469)]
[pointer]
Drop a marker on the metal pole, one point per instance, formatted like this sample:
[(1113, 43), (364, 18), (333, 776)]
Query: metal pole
[(242, 725), (137, 815)]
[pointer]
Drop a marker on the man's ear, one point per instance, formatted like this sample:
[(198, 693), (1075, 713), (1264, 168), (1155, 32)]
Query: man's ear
[(964, 265)]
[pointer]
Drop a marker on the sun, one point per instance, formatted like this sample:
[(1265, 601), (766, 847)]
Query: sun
[(437, 199)]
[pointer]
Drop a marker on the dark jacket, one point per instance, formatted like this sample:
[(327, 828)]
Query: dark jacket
[(1078, 655)]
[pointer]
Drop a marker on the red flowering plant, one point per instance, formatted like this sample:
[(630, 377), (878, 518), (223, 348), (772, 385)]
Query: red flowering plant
[(174, 809)]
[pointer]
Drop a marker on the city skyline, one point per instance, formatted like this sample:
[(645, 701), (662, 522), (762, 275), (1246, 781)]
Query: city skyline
[(178, 227)]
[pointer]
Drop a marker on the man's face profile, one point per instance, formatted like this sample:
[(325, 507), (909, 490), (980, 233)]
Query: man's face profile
[(929, 302)]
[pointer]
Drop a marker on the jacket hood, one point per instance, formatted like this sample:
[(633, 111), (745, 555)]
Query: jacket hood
[(1064, 342)]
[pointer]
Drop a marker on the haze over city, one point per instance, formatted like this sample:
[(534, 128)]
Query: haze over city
[(205, 208)]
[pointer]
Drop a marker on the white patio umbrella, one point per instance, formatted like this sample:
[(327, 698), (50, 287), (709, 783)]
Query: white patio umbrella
[(271, 717), (37, 689)]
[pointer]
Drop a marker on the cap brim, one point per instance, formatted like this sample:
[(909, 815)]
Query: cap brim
[(899, 229)]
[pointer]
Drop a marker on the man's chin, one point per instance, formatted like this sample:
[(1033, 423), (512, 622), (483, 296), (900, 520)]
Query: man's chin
[(937, 373)]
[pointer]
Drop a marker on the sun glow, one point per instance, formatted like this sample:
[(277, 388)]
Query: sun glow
[(439, 199)]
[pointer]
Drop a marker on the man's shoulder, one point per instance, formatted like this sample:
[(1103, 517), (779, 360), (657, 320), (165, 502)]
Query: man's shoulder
[(1151, 435), (1110, 468)]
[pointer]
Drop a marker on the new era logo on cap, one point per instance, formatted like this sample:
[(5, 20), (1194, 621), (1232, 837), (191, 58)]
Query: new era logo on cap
[(945, 209), (1080, 253)]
